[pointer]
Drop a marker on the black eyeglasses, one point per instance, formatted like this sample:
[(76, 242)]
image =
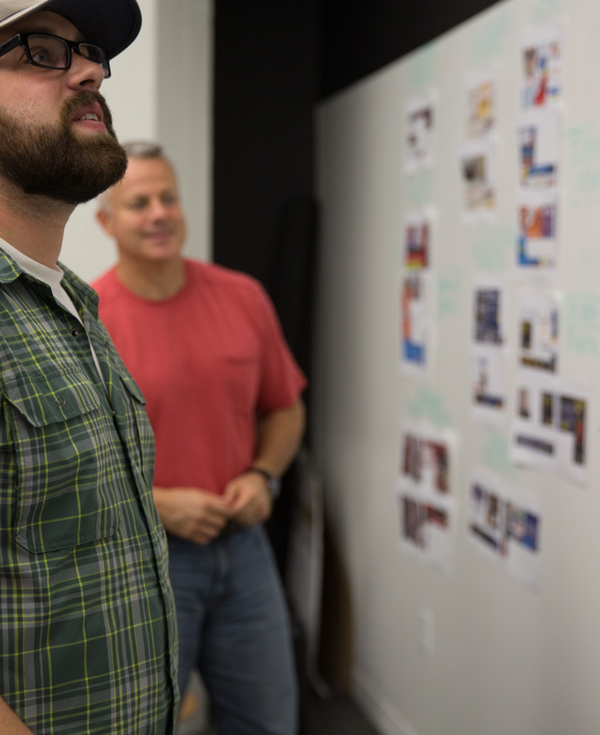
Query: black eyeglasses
[(54, 52)]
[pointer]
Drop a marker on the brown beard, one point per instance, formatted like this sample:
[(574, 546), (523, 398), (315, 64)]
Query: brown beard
[(53, 162)]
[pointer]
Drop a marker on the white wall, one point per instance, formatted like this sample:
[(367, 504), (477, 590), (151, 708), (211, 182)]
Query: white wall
[(184, 112), (508, 660), (157, 93)]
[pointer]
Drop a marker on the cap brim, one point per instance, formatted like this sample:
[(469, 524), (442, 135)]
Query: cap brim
[(111, 24)]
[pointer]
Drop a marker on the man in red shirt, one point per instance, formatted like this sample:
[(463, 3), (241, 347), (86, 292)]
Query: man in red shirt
[(223, 397)]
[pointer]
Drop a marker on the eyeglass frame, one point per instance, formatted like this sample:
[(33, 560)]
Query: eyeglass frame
[(22, 40)]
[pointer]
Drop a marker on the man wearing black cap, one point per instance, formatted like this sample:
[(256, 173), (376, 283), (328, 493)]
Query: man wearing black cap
[(87, 640)]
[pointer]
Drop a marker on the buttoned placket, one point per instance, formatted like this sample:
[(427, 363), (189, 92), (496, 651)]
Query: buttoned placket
[(148, 514)]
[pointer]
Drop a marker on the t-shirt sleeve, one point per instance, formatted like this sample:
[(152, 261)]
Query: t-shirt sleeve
[(281, 380)]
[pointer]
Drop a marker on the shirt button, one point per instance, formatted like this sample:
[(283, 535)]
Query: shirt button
[(106, 343), (75, 332), (114, 413), (60, 400)]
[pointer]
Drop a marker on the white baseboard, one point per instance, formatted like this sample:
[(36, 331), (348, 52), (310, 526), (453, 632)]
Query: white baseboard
[(382, 713)]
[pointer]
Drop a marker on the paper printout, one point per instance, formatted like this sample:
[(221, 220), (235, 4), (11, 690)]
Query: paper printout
[(486, 515), (420, 134), (538, 149), (489, 369), (426, 464), (534, 434), (524, 520), (416, 329), (573, 403), (542, 67), (425, 530), (481, 103), (536, 240), (503, 525), (538, 330), (418, 235), (427, 457), (489, 312), (550, 425), (478, 177), (488, 352)]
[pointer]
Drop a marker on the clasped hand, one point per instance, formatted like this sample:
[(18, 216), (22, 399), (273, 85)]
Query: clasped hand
[(199, 516)]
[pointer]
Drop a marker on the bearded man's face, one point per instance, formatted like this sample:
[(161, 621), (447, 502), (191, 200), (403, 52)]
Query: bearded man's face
[(54, 161)]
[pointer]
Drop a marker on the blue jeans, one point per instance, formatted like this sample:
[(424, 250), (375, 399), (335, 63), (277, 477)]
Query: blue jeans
[(234, 627)]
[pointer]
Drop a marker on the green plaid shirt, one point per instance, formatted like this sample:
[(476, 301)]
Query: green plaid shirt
[(87, 631)]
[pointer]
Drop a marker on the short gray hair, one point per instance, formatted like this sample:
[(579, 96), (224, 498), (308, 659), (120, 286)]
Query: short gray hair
[(140, 149), (144, 149)]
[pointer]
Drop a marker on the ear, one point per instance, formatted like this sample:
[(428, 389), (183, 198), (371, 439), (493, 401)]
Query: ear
[(105, 221)]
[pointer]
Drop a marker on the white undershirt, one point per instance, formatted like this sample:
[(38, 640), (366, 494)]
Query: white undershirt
[(52, 277)]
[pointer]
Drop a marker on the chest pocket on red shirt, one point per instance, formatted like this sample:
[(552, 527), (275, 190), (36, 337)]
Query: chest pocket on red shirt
[(238, 376)]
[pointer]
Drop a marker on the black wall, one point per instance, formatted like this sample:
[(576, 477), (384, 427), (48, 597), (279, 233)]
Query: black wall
[(274, 59), (360, 36), (265, 87)]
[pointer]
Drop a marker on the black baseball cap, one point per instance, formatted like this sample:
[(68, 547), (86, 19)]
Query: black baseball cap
[(110, 24)]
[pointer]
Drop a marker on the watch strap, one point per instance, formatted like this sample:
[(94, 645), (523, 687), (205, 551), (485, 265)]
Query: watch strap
[(273, 483)]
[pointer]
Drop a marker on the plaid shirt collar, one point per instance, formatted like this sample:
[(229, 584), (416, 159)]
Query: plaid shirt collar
[(79, 291)]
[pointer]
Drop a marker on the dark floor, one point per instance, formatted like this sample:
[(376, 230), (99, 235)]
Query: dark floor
[(335, 716)]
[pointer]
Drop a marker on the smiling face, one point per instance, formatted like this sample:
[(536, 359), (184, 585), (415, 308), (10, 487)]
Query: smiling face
[(144, 215), (56, 135)]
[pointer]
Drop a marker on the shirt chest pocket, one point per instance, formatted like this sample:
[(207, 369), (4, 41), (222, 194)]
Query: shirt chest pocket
[(62, 446), (238, 377)]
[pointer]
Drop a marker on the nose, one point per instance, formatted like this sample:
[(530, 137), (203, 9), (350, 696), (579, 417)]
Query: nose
[(84, 74), (159, 212)]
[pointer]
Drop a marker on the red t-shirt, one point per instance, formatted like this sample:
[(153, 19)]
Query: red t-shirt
[(206, 360)]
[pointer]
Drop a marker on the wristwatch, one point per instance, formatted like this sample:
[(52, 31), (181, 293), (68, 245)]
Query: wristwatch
[(273, 483)]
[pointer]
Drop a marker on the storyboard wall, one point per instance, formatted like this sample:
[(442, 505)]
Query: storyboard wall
[(457, 373)]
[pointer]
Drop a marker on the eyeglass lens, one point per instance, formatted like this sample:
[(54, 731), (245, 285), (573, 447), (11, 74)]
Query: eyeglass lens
[(54, 52), (47, 51)]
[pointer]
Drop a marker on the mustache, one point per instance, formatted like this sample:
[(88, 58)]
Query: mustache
[(82, 99)]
